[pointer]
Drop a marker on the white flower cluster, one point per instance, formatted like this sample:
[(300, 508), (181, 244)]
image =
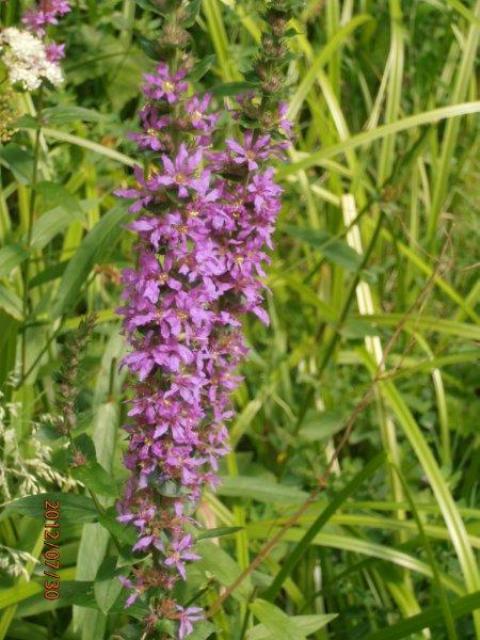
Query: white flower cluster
[(26, 60)]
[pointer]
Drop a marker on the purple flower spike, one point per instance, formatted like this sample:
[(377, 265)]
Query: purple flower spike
[(200, 261)]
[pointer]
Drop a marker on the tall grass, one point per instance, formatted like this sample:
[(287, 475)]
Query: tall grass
[(348, 508)]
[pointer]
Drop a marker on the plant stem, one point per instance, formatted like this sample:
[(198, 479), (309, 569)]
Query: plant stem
[(31, 215), (102, 512)]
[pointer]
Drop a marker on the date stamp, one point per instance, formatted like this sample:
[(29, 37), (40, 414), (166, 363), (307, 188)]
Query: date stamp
[(51, 553)]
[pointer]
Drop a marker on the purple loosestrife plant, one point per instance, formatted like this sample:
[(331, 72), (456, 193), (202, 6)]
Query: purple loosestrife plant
[(206, 217), (206, 213)]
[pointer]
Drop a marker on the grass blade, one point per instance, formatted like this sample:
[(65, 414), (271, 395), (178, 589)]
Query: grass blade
[(296, 554)]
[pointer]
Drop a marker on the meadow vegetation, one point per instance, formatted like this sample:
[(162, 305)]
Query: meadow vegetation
[(348, 507)]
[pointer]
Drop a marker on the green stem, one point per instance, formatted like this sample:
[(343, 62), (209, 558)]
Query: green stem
[(128, 14), (39, 356), (31, 215), (102, 512)]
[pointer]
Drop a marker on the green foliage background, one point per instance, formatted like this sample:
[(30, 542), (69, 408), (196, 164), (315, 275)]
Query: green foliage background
[(363, 393)]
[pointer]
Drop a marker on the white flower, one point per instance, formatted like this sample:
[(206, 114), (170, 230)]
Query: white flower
[(25, 76), (53, 73), (23, 44), (26, 60)]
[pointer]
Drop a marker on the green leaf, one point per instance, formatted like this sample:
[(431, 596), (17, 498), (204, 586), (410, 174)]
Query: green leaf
[(367, 137), (49, 274), (150, 6), (320, 426), (105, 233), (123, 533), (8, 344), (427, 619), (202, 631), (71, 113), (261, 489), (276, 621), (439, 485), (201, 68), (51, 223), (85, 445), (78, 592), (334, 250), (107, 586), (228, 89), (91, 552), (11, 303), (73, 508), (218, 532), (426, 323), (84, 143), (217, 562), (94, 476), (307, 625), (20, 592), (105, 427), (18, 160), (10, 257), (150, 47), (334, 505), (192, 10), (91, 473), (358, 328), (262, 530), (325, 54), (308, 296), (26, 121), (51, 195), (464, 11), (22, 630)]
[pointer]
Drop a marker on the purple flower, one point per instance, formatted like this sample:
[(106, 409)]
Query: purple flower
[(197, 109), (179, 552), (172, 354), (251, 152), (38, 19), (143, 194), (162, 85), (128, 584), (55, 52), (187, 618), (284, 123), (181, 171), (148, 541), (153, 124)]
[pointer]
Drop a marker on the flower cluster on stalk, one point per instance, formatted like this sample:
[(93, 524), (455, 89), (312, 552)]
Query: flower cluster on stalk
[(30, 60), (206, 210)]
